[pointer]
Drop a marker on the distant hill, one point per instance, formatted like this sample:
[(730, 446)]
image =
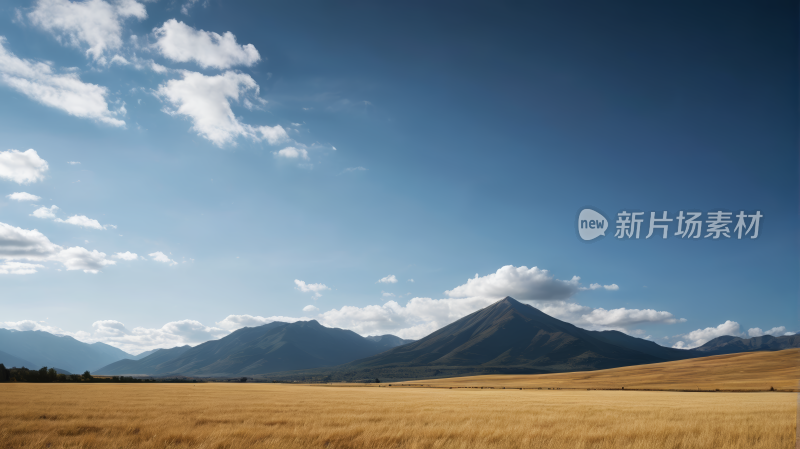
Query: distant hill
[(45, 349), (645, 346), (269, 348), (146, 365), (388, 341), (730, 345), (144, 354), (511, 337)]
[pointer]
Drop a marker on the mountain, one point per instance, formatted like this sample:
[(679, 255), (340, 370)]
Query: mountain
[(388, 341), (729, 345), (144, 354), (145, 365), (264, 349), (10, 361), (511, 337), (45, 349)]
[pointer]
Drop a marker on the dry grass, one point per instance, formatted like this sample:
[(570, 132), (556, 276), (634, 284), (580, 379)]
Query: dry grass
[(755, 371), (299, 416)]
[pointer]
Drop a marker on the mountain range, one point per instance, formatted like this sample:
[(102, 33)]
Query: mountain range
[(273, 347), (505, 337)]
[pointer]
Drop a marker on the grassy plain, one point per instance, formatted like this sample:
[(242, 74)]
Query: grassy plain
[(215, 415), (746, 371)]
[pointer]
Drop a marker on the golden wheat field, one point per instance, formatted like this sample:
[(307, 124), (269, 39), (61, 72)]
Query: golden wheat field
[(216, 415)]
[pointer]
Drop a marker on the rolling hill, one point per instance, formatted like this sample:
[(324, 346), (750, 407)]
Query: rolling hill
[(757, 371)]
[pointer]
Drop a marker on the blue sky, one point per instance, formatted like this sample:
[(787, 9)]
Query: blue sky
[(341, 144)]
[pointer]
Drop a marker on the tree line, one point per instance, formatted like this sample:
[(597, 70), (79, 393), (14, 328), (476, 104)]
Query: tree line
[(44, 375)]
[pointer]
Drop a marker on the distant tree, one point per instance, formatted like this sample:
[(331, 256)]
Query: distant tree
[(377, 381), (62, 378), (243, 379), (87, 375), (52, 375)]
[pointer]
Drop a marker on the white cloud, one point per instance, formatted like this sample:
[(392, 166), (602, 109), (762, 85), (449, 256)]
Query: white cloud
[(64, 91), (353, 169), (186, 6), (23, 196), (45, 212), (621, 319), (388, 295), (292, 153), (520, 283), (206, 101), (81, 220), (758, 332), (22, 167), (234, 322), (18, 244), (310, 308), (391, 279), (410, 280), (74, 163), (127, 255), (598, 286), (700, 337), (18, 267), (95, 24), (308, 288), (158, 256), (77, 258), (179, 42)]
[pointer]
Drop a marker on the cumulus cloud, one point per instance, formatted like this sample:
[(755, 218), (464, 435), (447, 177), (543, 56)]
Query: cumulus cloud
[(65, 91), (234, 322), (45, 212), (179, 42), (310, 288), (310, 309), (17, 244), (158, 256), (18, 267), (621, 319), (78, 258), (23, 196), (94, 25), (206, 101), (22, 167), (700, 337), (127, 255), (292, 153), (391, 279), (521, 283), (758, 332), (81, 220)]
